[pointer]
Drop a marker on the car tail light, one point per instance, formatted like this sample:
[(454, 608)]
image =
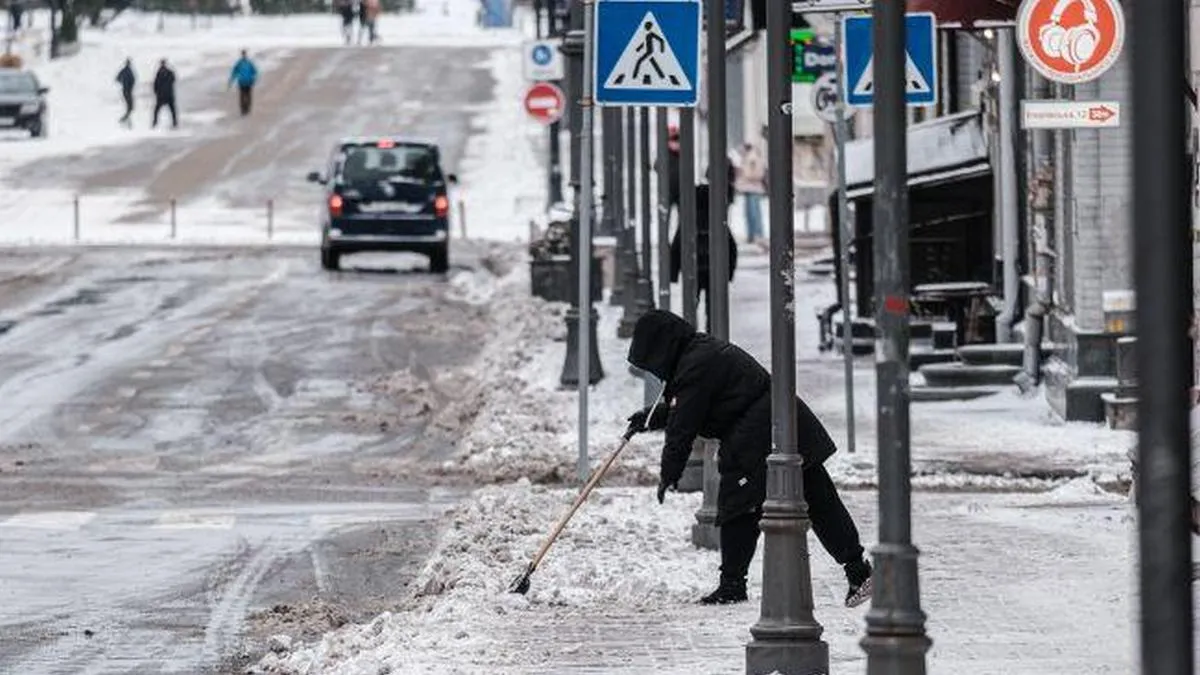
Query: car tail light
[(386, 143), (335, 205), (441, 206)]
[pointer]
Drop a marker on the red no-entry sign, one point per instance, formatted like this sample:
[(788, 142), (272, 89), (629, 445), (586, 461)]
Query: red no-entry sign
[(545, 102)]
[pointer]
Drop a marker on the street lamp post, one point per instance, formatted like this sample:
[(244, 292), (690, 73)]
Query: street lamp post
[(555, 192), (572, 49), (687, 213), (1164, 360), (662, 152), (635, 299), (787, 637), (718, 171), (896, 642), (621, 255)]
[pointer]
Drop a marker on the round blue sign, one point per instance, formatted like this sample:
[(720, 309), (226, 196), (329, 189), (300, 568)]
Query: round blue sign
[(542, 55)]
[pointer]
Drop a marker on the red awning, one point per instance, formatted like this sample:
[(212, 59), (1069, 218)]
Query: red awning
[(964, 13)]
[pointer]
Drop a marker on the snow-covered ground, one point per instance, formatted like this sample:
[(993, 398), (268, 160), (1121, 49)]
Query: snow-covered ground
[(1036, 584), (85, 105)]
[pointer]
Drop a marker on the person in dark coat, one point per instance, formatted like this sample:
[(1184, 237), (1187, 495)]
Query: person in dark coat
[(702, 264), (164, 93), (126, 78), (714, 389)]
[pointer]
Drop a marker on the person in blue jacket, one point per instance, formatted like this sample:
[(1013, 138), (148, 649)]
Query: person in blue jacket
[(244, 74)]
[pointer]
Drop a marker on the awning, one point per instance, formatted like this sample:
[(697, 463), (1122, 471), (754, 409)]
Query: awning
[(941, 150)]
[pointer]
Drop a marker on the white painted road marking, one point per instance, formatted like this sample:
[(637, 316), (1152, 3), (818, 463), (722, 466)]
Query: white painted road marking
[(186, 520), (50, 520)]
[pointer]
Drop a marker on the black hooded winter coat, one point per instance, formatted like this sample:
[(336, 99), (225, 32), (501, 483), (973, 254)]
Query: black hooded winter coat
[(715, 389)]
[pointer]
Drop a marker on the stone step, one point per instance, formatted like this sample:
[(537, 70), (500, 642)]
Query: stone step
[(928, 394), (923, 356), (1120, 411), (1011, 354), (963, 375)]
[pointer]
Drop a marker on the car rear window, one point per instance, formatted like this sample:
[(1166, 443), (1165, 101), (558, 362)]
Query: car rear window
[(371, 164), (17, 83)]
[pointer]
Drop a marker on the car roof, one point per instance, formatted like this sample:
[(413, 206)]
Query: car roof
[(398, 140)]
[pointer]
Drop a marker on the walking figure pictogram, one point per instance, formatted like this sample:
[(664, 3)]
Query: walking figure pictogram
[(649, 39), (648, 62)]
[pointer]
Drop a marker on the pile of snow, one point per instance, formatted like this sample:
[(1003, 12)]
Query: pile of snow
[(527, 425), (462, 593)]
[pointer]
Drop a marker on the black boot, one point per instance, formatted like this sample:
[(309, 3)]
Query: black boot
[(739, 537), (728, 591), (858, 576)]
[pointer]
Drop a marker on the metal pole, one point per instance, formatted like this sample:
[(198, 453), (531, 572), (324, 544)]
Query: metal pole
[(662, 156), (787, 637), (645, 284), (1009, 201), (718, 173), (555, 150), (585, 233), (840, 131), (687, 212), (1161, 264), (896, 642), (704, 532), (173, 222), (647, 205), (270, 219), (620, 285), (75, 214), (574, 372), (633, 300)]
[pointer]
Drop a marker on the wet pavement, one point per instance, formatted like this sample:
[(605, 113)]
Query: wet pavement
[(190, 449)]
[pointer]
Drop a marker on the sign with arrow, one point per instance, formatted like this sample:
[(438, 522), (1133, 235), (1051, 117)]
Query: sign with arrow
[(1070, 114), (920, 68)]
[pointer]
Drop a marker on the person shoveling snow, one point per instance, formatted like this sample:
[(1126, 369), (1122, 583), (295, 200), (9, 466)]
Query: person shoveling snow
[(717, 390)]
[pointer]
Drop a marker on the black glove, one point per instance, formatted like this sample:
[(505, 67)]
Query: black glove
[(637, 421), (662, 489)]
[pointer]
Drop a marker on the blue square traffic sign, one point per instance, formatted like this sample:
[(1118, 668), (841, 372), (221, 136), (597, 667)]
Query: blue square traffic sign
[(920, 67), (647, 53)]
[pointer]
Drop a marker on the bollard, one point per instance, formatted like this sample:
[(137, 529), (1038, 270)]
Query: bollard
[(173, 228), (705, 533), (76, 217), (462, 219), (270, 219), (693, 472)]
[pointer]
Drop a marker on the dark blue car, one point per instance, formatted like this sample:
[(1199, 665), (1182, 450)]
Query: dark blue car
[(385, 194)]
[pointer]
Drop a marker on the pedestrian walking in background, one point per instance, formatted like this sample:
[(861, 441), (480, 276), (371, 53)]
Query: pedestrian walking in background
[(15, 10), (702, 263), (346, 9), (750, 180), (716, 390), (164, 93), (244, 74), (672, 166), (370, 15), (127, 79)]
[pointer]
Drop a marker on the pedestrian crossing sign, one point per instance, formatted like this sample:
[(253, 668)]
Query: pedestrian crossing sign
[(647, 53), (920, 60)]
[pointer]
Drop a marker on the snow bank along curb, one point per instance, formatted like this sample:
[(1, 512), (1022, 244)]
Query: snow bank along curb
[(627, 561), (462, 593)]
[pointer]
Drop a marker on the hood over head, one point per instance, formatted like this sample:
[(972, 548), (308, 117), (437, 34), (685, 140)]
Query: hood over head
[(659, 339)]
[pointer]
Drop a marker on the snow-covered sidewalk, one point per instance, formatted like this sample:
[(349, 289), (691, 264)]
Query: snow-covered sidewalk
[(1037, 584), (526, 427)]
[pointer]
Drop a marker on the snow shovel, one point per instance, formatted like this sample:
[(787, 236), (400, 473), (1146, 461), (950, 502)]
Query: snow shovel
[(521, 583)]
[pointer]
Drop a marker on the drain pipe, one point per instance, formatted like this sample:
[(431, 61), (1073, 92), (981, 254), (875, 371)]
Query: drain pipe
[(1006, 146), (1041, 206)]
